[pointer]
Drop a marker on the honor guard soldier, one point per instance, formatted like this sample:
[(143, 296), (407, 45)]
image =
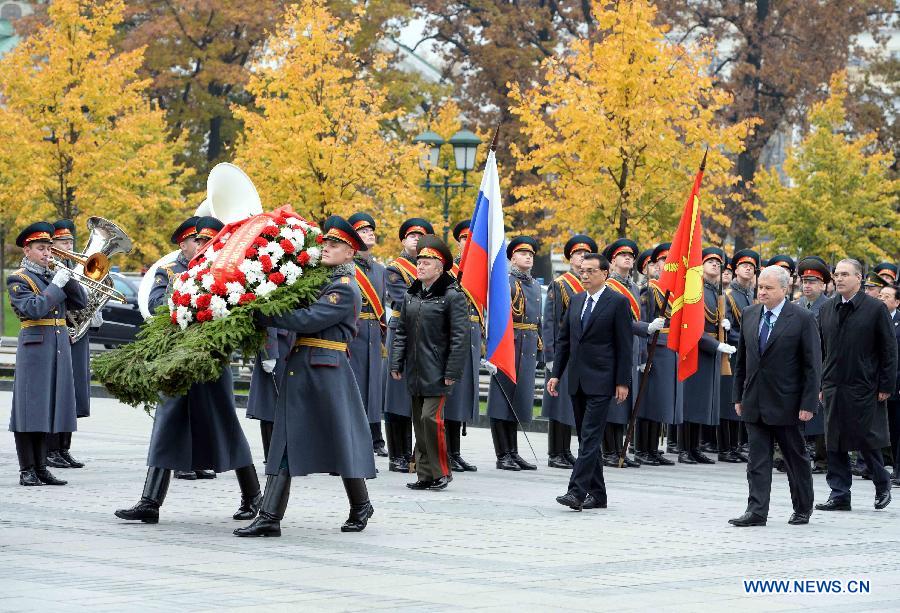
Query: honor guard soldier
[(60, 444), (701, 391), (621, 255), (200, 430), (643, 263), (463, 401), (399, 276), (514, 404), (786, 262), (430, 347), (728, 274), (663, 396), (43, 401), (558, 409), (367, 349), (266, 381), (873, 284), (327, 432), (886, 271), (738, 296)]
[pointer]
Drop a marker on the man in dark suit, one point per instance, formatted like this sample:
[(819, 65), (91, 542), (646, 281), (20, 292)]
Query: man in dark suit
[(595, 342), (890, 296), (776, 387)]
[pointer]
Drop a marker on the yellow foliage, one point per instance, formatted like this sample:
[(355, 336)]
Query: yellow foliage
[(316, 141), (81, 137), (618, 129), (840, 199)]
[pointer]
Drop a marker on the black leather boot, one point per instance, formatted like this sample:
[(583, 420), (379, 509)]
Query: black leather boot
[(360, 507), (274, 503), (155, 487), (513, 442), (251, 497), (188, 475), (205, 474), (65, 444), (28, 477), (47, 477), (265, 432), (377, 440), (407, 430), (55, 460)]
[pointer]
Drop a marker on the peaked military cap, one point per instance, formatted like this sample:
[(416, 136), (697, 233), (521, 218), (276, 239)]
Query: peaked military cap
[(579, 242), (415, 224), (38, 232), (814, 266), (361, 220), (462, 229), (337, 228), (745, 256), (431, 246), (785, 261), (187, 229), (622, 245), (521, 243)]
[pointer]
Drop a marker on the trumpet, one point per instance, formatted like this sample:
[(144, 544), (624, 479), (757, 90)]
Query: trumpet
[(96, 267)]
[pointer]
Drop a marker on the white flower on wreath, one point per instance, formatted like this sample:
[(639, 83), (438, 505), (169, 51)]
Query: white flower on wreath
[(211, 255), (219, 307), (314, 254), (207, 281), (189, 287), (291, 272), (250, 266), (265, 288), (254, 278), (234, 287), (183, 316), (234, 298), (292, 221), (276, 251)]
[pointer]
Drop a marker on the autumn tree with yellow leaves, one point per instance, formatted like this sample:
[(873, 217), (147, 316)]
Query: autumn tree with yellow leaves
[(317, 140), (617, 130), (840, 198), (81, 135)]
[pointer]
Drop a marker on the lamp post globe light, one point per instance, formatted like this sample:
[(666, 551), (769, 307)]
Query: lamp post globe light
[(465, 147)]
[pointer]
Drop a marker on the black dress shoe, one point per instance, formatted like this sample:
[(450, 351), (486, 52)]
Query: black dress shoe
[(29, 478), (729, 457), (592, 503), (748, 519), (249, 507), (398, 465), (818, 470), (895, 481), (73, 463), (55, 460), (647, 458), (629, 463), (798, 519), (521, 463), (205, 474), (684, 457), (662, 460), (441, 483), (145, 510), (833, 505), (359, 517), (505, 462), (701, 457), (464, 466), (420, 485), (569, 500), (780, 466), (742, 457), (708, 448), (47, 477), (264, 525), (569, 457), (611, 460), (558, 461), (454, 465), (188, 475), (671, 448), (884, 499), (380, 451)]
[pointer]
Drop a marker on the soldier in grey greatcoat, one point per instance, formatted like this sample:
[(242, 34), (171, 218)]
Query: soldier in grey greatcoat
[(367, 350), (399, 276), (664, 393), (43, 390), (526, 317), (265, 382), (320, 421), (463, 402), (558, 409), (200, 430), (702, 389)]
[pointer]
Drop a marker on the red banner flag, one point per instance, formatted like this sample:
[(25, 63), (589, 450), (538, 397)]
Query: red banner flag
[(682, 275)]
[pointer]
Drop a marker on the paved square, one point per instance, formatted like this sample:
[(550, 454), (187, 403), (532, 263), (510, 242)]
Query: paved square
[(492, 541)]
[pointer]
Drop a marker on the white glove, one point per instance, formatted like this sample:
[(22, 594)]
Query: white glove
[(726, 324), (726, 348), (549, 366), (97, 319), (656, 325), (489, 367), (642, 367), (268, 365), (62, 276)]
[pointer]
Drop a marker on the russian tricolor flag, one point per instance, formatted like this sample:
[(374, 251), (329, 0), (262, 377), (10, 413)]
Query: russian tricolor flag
[(484, 272)]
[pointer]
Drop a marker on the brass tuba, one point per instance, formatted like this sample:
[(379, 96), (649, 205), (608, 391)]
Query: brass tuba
[(105, 239)]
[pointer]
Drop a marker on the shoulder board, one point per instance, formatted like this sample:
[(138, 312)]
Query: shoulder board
[(21, 274), (345, 279)]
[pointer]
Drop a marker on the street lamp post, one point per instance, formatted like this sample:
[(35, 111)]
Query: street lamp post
[(465, 146)]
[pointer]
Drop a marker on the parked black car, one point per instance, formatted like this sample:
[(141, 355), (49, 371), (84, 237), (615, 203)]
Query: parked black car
[(120, 321)]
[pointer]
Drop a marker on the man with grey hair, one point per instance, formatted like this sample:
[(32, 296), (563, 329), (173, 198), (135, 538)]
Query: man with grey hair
[(776, 386), (859, 375)]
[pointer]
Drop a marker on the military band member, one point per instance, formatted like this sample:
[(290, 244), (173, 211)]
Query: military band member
[(738, 296), (399, 276), (621, 255), (514, 404), (701, 390), (662, 403), (200, 430), (43, 388), (266, 382), (325, 432), (60, 444), (463, 402), (558, 408), (429, 349), (367, 349), (886, 271)]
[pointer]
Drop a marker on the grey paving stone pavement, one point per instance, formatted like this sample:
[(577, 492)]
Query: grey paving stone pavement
[(492, 541)]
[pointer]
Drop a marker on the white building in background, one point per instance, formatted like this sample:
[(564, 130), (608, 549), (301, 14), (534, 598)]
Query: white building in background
[(10, 10)]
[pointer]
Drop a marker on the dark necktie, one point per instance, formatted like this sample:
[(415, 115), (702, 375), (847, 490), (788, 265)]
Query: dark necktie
[(764, 333), (586, 316)]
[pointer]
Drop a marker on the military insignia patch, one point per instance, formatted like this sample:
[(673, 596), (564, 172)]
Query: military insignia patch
[(393, 277), (334, 298), (345, 279)]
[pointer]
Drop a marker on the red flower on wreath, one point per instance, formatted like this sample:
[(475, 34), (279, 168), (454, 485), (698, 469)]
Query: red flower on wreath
[(259, 241), (174, 317), (266, 262), (175, 296), (245, 298), (185, 276), (287, 245), (270, 231), (204, 315), (218, 288), (250, 253), (303, 258), (183, 300), (277, 278), (203, 301), (319, 239)]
